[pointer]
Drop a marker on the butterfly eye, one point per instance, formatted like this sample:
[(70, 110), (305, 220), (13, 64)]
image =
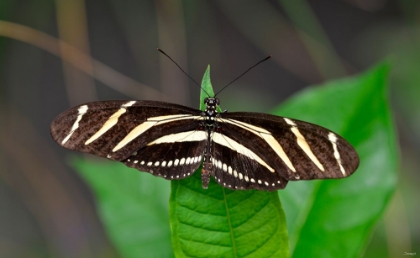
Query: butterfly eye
[(217, 101), (206, 100)]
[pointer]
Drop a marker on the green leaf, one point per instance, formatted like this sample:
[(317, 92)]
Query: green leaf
[(218, 222), (133, 207), (206, 88), (335, 218)]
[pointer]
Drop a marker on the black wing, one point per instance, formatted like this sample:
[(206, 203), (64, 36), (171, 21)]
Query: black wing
[(155, 137), (287, 149)]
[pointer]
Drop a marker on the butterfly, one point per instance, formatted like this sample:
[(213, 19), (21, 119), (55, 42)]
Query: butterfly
[(241, 150)]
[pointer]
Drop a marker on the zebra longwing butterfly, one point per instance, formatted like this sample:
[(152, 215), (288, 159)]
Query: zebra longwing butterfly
[(241, 150)]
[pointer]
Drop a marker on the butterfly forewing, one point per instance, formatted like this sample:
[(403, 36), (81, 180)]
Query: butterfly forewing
[(116, 129)]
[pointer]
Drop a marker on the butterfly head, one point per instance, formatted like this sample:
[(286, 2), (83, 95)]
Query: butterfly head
[(211, 106)]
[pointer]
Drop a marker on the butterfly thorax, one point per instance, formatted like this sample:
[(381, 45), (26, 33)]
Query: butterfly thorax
[(211, 107), (210, 113)]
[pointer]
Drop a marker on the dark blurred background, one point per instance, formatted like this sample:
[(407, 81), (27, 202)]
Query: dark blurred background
[(107, 50)]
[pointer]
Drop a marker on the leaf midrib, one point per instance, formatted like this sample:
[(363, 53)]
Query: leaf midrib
[(230, 224)]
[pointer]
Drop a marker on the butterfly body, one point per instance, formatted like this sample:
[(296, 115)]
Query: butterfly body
[(241, 150)]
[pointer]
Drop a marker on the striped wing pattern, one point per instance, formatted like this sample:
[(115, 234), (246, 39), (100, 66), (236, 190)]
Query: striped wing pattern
[(107, 123), (170, 161), (309, 151), (241, 150), (237, 171)]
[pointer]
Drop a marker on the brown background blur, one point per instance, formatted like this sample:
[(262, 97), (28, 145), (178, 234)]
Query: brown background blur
[(46, 210)]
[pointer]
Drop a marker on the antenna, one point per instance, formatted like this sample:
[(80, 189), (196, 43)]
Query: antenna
[(265, 59), (161, 51)]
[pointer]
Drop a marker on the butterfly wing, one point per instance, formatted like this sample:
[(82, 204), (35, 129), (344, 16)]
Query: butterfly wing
[(170, 160), (135, 132), (293, 149)]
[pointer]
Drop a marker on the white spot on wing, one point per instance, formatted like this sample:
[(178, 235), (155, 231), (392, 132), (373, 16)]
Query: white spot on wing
[(219, 164)]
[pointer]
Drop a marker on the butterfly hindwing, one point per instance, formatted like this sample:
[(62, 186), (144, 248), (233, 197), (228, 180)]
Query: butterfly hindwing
[(177, 160), (235, 171)]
